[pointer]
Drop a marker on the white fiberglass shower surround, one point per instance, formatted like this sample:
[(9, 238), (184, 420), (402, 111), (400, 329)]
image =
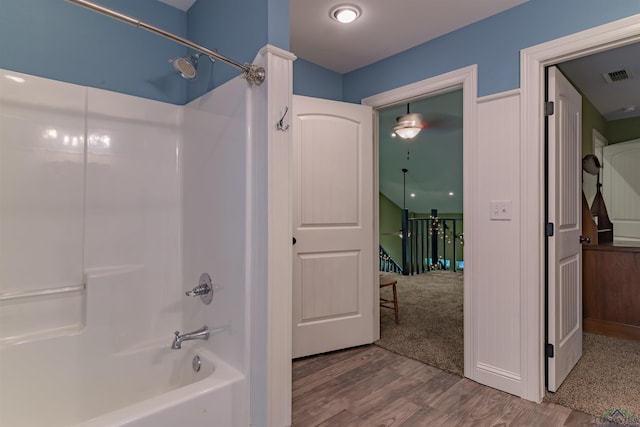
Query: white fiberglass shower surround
[(111, 208)]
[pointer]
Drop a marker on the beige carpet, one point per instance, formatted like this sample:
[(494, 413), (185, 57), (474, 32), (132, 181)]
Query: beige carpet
[(607, 377), (431, 322)]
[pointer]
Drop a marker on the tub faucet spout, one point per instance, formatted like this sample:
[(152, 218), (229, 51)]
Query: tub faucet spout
[(198, 334)]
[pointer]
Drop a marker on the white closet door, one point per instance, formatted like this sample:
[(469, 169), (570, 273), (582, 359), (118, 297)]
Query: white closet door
[(565, 251), (334, 258)]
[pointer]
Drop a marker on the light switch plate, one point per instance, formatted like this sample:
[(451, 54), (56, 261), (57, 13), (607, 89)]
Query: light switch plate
[(500, 210)]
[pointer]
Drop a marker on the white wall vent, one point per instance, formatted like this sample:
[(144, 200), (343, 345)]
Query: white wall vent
[(617, 76)]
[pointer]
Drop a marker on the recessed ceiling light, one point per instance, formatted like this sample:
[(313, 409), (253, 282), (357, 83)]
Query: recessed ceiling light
[(345, 13), (413, 194), (451, 193)]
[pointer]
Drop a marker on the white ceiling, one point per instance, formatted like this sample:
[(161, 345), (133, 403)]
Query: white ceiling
[(609, 98), (384, 28)]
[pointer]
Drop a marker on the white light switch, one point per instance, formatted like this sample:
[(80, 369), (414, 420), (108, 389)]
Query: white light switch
[(500, 210)]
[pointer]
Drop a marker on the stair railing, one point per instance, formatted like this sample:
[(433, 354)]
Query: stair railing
[(431, 243), (387, 263)]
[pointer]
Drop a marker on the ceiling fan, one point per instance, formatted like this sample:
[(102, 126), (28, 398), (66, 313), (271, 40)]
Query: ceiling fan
[(409, 125)]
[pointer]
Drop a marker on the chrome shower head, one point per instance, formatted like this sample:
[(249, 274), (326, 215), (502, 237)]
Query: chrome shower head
[(187, 66)]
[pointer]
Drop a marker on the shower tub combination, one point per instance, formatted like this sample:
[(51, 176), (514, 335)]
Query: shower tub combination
[(113, 362)]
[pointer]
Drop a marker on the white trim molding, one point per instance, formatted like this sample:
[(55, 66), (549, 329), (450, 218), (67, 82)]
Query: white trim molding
[(467, 79), (501, 372), (270, 263), (463, 77), (598, 140), (533, 61), (376, 217), (497, 96)]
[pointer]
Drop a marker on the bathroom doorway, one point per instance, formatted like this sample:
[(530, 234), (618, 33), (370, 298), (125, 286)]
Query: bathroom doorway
[(421, 227), (460, 83)]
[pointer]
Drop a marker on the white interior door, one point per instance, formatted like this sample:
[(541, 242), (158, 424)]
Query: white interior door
[(565, 251), (334, 258)]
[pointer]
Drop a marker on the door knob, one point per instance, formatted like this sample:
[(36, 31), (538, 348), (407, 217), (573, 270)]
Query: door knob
[(585, 239)]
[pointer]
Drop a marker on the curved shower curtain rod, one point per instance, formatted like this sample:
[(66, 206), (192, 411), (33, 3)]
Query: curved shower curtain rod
[(254, 74)]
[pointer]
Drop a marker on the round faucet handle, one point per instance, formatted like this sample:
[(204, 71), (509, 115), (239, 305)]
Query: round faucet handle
[(177, 333)]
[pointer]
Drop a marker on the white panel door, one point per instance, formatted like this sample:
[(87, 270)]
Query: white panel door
[(334, 258), (565, 251)]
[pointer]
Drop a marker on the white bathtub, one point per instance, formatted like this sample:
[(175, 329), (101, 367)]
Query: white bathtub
[(114, 371), (48, 383)]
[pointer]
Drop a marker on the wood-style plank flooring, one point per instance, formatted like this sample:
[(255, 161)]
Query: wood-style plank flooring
[(370, 386)]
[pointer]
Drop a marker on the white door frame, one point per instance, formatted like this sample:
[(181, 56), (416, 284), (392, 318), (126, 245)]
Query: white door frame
[(467, 79), (599, 142), (533, 60)]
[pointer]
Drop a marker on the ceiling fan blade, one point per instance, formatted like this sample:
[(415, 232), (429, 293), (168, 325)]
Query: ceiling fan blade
[(442, 122)]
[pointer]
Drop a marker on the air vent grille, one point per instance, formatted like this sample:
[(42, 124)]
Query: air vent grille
[(617, 76)]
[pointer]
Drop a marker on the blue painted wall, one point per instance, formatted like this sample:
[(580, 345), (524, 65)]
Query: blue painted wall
[(58, 40), (61, 41), (237, 30), (278, 22), (310, 79), (494, 44)]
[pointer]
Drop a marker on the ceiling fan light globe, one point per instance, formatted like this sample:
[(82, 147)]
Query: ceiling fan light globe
[(407, 132), (408, 125)]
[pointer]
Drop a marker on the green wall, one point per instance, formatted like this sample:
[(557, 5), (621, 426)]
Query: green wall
[(591, 119), (623, 130), (614, 131), (390, 216), (391, 222)]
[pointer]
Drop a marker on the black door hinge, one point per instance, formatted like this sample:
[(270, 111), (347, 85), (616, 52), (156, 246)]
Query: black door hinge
[(548, 108), (548, 350), (549, 229)]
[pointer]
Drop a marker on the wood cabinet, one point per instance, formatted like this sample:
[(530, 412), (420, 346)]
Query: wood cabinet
[(611, 290)]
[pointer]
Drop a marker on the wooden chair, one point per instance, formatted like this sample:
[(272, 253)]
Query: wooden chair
[(389, 303)]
